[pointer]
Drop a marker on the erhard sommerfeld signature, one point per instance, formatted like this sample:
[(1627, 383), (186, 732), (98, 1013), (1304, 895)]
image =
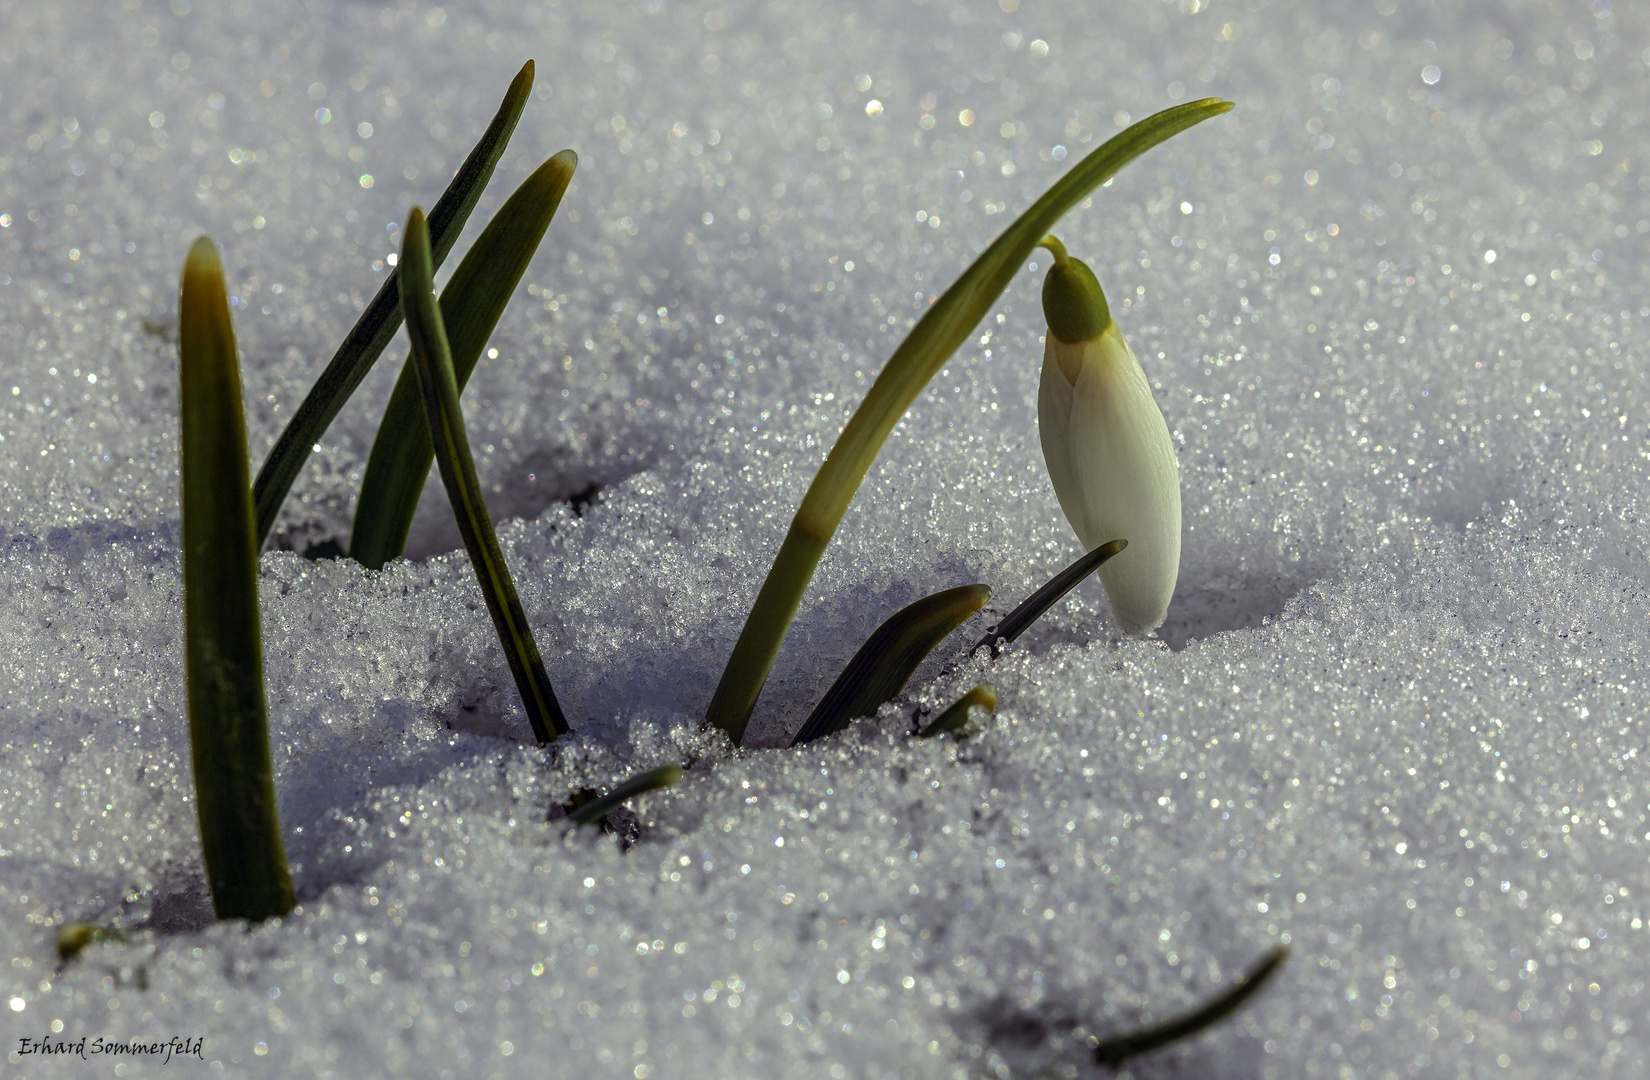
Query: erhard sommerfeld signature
[(86, 1048)]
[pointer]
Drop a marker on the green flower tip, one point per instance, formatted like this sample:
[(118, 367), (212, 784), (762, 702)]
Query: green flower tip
[(1073, 302)]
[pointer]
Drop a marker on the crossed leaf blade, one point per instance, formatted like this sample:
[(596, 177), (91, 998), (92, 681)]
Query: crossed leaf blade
[(883, 665), (471, 304), (918, 359), (378, 323), (240, 831), (445, 423)]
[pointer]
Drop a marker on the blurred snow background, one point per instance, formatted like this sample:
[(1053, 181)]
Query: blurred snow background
[(1392, 309)]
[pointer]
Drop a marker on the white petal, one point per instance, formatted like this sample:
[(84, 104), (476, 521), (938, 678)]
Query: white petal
[(1054, 394), (1113, 467)]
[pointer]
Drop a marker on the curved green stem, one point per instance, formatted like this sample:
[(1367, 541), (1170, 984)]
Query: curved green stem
[(918, 359)]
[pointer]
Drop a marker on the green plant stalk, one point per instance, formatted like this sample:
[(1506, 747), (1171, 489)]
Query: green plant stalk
[(956, 714), (223, 654), (471, 304), (918, 359), (883, 665), (595, 810), (378, 323), (458, 472), (1115, 1051)]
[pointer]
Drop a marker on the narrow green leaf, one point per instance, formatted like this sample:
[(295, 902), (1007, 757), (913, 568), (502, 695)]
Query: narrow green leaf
[(918, 359), (223, 655), (1116, 1050), (382, 317), (595, 810), (1046, 597), (882, 665), (471, 304), (445, 422), (956, 714)]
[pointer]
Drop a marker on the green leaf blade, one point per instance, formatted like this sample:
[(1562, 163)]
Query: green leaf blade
[(592, 812), (445, 422), (223, 652), (471, 305), (955, 716), (883, 665), (366, 340), (925, 350), (1020, 619), (1115, 1051)]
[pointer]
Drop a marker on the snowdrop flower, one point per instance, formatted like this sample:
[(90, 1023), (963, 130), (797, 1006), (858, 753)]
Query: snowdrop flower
[(1107, 446)]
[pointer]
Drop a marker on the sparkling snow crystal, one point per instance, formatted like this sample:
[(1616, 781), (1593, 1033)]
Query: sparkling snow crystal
[(1392, 307)]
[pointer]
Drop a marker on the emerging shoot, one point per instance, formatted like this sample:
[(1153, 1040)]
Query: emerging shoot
[(955, 717), (223, 653), (883, 665), (592, 812)]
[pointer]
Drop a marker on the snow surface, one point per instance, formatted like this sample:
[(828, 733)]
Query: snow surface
[(1391, 307)]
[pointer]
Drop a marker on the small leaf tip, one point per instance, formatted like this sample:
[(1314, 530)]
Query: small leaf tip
[(1074, 304), (203, 256)]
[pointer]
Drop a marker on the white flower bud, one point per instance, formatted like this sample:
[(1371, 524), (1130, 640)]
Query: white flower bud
[(1108, 451)]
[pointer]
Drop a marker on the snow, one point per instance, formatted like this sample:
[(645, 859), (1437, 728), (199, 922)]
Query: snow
[(1391, 308)]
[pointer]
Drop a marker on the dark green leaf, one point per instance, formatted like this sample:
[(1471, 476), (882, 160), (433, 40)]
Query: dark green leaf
[(458, 472), (382, 317), (1116, 1050), (595, 810), (471, 304), (918, 359), (956, 714), (223, 655), (882, 665), (1046, 597)]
